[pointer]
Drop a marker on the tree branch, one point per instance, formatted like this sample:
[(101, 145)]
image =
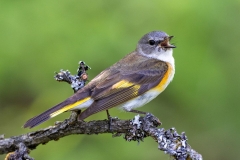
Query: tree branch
[(137, 129)]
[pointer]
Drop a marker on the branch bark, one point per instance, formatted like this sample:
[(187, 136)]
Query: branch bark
[(136, 129)]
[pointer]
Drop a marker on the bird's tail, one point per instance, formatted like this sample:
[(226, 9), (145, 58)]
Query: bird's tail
[(52, 112)]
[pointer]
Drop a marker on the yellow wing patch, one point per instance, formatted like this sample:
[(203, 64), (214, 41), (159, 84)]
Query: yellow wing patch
[(125, 84), (68, 107)]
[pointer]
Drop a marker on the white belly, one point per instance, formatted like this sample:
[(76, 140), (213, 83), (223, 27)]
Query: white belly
[(139, 101)]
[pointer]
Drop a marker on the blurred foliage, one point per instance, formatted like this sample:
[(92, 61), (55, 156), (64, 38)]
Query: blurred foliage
[(40, 37)]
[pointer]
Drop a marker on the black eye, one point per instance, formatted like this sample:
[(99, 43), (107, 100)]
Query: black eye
[(151, 42)]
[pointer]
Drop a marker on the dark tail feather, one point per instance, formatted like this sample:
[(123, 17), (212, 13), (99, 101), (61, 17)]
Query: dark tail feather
[(66, 105), (44, 116)]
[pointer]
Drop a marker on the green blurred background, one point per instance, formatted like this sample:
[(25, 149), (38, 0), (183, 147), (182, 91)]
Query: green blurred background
[(40, 37)]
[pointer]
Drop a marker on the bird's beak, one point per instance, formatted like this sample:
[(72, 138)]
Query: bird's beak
[(165, 43)]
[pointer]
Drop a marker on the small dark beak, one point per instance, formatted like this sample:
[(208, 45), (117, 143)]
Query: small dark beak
[(165, 43)]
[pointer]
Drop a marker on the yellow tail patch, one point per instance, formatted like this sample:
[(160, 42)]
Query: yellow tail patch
[(68, 107)]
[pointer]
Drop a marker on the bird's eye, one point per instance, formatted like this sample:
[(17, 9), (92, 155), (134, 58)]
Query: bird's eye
[(151, 42)]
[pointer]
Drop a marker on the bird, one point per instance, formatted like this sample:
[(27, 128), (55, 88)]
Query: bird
[(128, 84)]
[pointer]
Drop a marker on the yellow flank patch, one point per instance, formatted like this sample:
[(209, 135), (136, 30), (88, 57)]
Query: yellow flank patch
[(165, 80), (68, 107)]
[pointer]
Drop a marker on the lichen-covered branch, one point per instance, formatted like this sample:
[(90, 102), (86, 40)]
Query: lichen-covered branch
[(76, 81), (137, 129)]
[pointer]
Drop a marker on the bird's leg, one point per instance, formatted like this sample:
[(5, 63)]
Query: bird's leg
[(136, 111), (108, 115), (109, 120)]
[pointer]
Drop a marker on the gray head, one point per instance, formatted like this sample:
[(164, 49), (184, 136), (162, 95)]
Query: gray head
[(155, 42)]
